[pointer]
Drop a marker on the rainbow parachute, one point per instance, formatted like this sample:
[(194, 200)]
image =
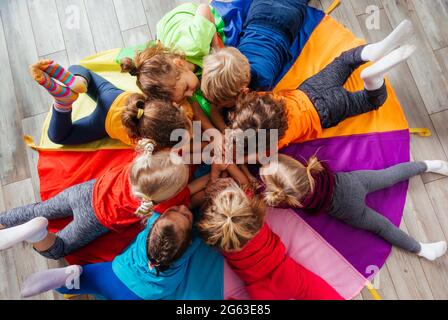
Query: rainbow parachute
[(342, 256)]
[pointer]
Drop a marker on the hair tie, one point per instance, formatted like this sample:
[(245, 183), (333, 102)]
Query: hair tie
[(249, 193), (147, 205), (140, 113)]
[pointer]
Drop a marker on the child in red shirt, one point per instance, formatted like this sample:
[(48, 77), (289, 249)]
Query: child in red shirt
[(119, 198), (235, 224)]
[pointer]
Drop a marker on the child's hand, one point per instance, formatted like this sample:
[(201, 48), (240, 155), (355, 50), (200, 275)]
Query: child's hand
[(217, 170), (217, 42)]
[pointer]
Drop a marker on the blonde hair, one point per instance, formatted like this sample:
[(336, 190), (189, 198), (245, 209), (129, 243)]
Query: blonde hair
[(225, 73), (291, 182), (156, 177), (230, 219)]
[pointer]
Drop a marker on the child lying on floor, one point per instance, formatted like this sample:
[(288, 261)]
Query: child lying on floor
[(151, 268), (320, 102), (125, 116), (315, 189), (234, 222), (169, 68)]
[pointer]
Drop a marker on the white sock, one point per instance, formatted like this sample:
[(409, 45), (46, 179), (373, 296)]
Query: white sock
[(373, 76), (398, 37), (437, 166), (33, 231), (47, 280), (432, 251)]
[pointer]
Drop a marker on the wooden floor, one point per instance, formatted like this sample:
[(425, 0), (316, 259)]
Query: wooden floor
[(67, 30)]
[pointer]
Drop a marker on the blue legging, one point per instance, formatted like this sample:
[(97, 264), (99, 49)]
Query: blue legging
[(269, 31), (63, 131), (100, 279)]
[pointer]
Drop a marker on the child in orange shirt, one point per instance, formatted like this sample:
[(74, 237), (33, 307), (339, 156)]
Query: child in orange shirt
[(321, 101)]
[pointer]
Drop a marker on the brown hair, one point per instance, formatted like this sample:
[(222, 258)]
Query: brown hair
[(225, 73), (230, 219), (159, 120), (260, 111), (165, 245), (156, 177), (291, 181), (154, 69)]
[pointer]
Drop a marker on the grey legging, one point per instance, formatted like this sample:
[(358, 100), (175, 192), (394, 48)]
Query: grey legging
[(73, 202), (331, 100), (349, 205)]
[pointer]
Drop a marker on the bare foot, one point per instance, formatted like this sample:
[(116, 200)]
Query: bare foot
[(37, 70)]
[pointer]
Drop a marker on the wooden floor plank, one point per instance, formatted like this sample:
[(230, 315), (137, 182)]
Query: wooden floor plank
[(432, 84), (46, 26), (32, 126), (442, 57), (104, 24), (12, 151), (407, 275), (360, 6), (440, 121), (438, 193), (25, 260), (155, 10), (136, 36), (130, 13), (383, 285), (9, 284), (423, 224), (76, 29), (345, 14), (22, 50), (433, 16), (410, 99), (316, 4)]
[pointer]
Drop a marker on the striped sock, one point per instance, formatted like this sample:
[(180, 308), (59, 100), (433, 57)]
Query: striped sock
[(75, 83), (63, 96)]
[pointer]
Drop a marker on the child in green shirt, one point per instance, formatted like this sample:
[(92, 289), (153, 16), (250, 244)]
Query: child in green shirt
[(185, 35)]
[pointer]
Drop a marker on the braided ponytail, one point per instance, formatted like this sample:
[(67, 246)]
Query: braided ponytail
[(165, 245), (155, 177)]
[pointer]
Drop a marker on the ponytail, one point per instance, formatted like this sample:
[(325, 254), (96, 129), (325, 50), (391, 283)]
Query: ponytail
[(155, 119), (291, 182), (278, 197), (165, 245), (145, 209), (146, 149), (155, 177), (230, 219), (128, 66), (132, 115), (312, 166), (154, 69)]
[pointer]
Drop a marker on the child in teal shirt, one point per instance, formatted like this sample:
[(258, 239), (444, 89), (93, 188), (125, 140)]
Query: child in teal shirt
[(165, 261)]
